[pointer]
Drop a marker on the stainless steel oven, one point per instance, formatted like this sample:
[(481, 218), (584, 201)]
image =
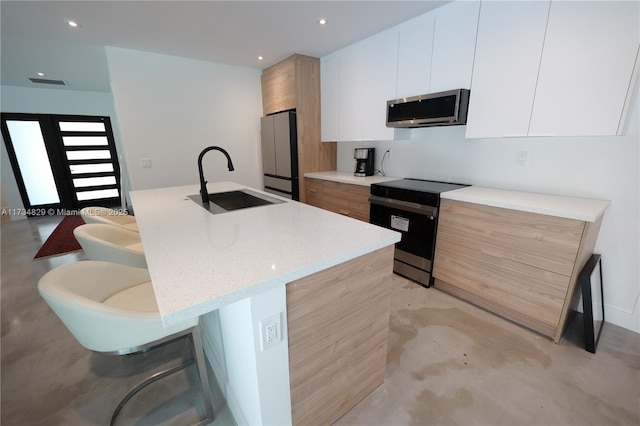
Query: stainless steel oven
[(410, 206)]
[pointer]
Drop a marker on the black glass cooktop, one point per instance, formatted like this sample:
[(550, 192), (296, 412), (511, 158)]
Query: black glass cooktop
[(434, 187), (419, 191)]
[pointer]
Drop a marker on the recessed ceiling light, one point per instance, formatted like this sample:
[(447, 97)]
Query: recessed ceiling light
[(260, 58), (41, 74), (322, 21), (73, 24)]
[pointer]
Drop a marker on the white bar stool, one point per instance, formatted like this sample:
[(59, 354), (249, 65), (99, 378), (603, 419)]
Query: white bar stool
[(111, 308)]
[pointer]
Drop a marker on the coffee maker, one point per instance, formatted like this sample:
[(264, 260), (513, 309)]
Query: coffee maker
[(365, 159)]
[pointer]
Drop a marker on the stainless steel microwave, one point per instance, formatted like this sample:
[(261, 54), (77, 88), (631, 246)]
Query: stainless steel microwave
[(435, 109)]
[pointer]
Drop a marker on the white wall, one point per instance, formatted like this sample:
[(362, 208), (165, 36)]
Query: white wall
[(591, 167), (170, 108), (49, 101), (255, 383)]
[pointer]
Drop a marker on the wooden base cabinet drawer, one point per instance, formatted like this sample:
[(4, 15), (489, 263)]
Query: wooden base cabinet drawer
[(345, 190), (345, 199), (528, 295), (313, 189), (522, 266), (546, 242)]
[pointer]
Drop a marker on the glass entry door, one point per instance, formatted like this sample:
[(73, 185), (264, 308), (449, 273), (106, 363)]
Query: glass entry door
[(62, 162)]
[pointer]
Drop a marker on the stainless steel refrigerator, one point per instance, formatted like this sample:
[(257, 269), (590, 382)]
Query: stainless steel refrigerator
[(280, 154)]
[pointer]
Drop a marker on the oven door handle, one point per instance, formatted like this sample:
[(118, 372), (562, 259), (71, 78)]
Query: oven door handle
[(421, 209)]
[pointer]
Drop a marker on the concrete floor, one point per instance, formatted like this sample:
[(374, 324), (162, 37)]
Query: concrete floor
[(449, 363), (49, 379)]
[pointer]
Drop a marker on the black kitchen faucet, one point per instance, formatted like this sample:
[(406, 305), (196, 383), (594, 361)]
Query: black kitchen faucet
[(203, 184)]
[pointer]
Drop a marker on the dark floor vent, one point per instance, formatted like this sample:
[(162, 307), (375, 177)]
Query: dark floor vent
[(47, 81)]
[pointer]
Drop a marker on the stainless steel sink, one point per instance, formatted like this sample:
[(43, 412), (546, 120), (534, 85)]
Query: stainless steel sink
[(221, 202)]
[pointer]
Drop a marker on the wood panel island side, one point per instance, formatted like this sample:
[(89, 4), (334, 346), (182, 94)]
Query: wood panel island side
[(324, 279)]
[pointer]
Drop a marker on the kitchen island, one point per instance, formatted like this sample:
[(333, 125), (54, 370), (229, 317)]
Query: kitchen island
[(293, 300)]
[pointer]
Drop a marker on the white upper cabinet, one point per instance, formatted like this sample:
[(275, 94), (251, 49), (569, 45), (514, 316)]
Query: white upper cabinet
[(539, 68), (330, 98), (367, 76), (378, 83), (414, 57), (436, 50), (351, 87), (588, 58), (508, 52), (552, 69), (454, 41)]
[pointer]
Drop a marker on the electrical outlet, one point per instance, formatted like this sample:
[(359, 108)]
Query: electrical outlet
[(146, 163), (521, 158), (271, 331)]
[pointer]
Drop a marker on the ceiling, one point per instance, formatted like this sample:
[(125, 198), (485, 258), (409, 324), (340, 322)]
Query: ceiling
[(35, 37)]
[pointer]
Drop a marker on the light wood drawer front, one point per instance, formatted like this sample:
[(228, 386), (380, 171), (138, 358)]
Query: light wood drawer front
[(315, 199), (345, 190), (348, 207), (361, 210), (342, 198), (337, 205), (350, 200), (547, 242), (313, 185), (528, 295), (313, 191)]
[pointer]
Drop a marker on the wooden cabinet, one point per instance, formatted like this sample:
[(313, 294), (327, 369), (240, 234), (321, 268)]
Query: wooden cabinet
[(508, 52), (279, 87), (342, 198), (338, 326), (315, 197), (552, 68), (294, 83), (522, 266)]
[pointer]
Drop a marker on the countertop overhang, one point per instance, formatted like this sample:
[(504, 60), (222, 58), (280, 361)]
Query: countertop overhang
[(199, 262), (586, 209), (344, 177)]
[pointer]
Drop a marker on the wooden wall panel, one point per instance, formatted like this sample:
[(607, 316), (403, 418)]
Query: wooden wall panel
[(338, 323), (587, 245)]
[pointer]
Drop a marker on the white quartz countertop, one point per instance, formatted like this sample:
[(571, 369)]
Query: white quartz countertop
[(585, 209), (200, 261), (345, 177)]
